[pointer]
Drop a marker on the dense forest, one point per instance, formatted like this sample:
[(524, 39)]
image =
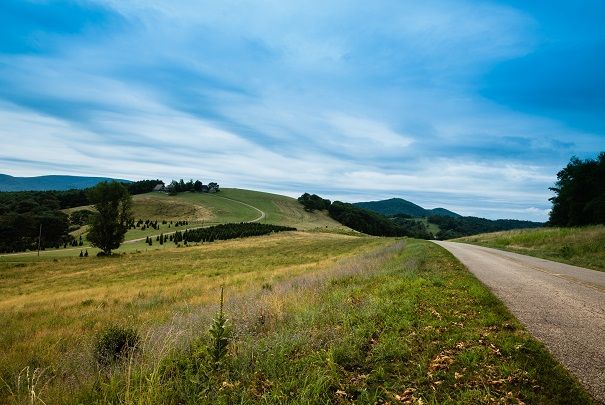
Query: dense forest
[(23, 212), (580, 193)]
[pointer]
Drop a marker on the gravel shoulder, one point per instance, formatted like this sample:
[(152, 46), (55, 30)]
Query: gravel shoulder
[(561, 305)]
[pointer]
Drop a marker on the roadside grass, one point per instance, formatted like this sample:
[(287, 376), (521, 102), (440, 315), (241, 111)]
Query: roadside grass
[(584, 247), (51, 307), (405, 324)]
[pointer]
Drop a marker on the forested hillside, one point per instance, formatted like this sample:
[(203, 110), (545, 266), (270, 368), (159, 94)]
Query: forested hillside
[(396, 206)]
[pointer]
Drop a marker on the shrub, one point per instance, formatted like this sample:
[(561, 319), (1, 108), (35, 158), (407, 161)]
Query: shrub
[(115, 343)]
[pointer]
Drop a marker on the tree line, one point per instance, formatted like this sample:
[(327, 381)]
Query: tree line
[(227, 231)]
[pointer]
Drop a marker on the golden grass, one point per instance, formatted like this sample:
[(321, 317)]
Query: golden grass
[(170, 208), (52, 307)]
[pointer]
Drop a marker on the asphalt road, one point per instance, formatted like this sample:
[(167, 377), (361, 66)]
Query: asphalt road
[(561, 305)]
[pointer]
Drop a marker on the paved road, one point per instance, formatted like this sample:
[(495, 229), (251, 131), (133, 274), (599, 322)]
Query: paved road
[(561, 305)]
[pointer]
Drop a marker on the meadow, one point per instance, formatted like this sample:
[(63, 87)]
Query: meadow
[(580, 246), (51, 307), (314, 317)]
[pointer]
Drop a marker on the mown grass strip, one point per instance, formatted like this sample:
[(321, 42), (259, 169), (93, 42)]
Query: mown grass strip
[(409, 326)]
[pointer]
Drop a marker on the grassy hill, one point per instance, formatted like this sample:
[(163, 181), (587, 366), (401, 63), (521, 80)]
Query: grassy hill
[(396, 206), (207, 209), (583, 246)]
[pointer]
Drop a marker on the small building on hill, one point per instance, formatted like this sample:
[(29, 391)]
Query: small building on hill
[(160, 188)]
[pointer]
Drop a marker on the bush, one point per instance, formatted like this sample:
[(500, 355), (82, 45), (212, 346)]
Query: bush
[(115, 343)]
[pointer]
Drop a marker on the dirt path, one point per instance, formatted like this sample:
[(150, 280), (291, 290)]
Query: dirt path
[(260, 217), (561, 305)]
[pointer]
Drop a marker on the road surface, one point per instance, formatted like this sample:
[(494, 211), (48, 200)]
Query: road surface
[(561, 305)]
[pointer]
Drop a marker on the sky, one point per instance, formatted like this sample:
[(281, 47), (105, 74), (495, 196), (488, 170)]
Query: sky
[(469, 105)]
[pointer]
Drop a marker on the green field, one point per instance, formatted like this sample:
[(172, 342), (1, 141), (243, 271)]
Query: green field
[(317, 317), (584, 246), (202, 209)]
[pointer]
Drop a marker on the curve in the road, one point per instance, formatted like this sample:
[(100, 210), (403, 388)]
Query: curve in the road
[(561, 305)]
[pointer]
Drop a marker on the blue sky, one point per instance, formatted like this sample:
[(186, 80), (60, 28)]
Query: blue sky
[(469, 105)]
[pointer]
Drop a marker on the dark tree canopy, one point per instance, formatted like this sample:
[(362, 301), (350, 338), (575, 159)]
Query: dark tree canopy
[(580, 193), (313, 202), (114, 213)]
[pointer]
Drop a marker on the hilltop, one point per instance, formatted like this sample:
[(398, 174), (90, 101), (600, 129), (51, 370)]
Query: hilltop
[(394, 206), (51, 182)]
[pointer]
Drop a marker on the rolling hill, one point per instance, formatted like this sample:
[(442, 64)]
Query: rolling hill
[(52, 182), (230, 205), (394, 206)]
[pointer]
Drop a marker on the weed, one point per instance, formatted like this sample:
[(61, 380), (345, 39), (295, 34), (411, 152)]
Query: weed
[(220, 336), (115, 343)]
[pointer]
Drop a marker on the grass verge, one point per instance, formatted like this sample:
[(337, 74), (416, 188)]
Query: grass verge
[(584, 247), (406, 324)]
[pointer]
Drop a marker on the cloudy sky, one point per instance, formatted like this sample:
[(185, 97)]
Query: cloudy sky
[(469, 105)]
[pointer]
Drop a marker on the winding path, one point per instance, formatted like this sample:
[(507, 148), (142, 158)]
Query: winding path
[(561, 305), (262, 216)]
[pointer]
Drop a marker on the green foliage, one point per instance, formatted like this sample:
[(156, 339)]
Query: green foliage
[(395, 206), (22, 213), (142, 187), (80, 217), (314, 202), (228, 231), (375, 224), (115, 343), (182, 186), (580, 193), (451, 227), (114, 214)]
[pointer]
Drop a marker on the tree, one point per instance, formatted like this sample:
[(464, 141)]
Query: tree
[(580, 193), (114, 212)]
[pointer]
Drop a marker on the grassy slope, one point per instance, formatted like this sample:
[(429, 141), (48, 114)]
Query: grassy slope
[(223, 207), (583, 247), (50, 309), (400, 325)]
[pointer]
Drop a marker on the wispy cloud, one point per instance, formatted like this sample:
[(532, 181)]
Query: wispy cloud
[(356, 100)]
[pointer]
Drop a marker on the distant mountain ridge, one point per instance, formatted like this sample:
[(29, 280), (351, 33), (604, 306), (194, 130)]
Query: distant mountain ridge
[(394, 206), (52, 182)]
